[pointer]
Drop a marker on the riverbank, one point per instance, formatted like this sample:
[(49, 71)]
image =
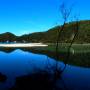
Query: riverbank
[(24, 45)]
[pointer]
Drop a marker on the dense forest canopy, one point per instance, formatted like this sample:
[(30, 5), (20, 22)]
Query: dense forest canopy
[(50, 36)]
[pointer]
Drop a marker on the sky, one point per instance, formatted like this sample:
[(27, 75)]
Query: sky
[(28, 16)]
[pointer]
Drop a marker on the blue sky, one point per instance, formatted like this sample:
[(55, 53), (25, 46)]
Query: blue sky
[(27, 16)]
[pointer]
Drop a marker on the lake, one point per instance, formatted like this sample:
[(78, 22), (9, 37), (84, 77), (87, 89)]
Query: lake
[(18, 63)]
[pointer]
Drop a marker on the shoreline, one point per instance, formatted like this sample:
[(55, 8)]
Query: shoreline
[(24, 45)]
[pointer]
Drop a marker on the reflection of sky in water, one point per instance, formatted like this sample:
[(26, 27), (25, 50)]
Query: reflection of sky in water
[(20, 63)]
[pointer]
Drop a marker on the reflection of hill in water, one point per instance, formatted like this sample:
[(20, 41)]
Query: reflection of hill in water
[(79, 59), (7, 50)]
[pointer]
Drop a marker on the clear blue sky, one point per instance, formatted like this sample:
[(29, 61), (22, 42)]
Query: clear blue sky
[(27, 16)]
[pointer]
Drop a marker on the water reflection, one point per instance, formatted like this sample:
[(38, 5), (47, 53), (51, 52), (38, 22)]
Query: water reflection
[(19, 63)]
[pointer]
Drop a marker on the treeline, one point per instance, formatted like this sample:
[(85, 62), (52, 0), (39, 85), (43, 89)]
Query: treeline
[(50, 36)]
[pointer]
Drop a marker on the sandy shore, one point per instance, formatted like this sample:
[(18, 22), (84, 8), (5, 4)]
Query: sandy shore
[(24, 45)]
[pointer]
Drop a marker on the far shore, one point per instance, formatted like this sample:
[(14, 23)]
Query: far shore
[(24, 45)]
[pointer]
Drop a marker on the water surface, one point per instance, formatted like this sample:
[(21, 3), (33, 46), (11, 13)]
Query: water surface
[(18, 63)]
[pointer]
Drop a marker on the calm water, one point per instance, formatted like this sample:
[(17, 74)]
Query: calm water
[(18, 63)]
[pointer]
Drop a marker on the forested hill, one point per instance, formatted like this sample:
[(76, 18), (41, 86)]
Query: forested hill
[(51, 35)]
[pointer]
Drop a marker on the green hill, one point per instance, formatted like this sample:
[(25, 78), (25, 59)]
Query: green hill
[(7, 37), (50, 36)]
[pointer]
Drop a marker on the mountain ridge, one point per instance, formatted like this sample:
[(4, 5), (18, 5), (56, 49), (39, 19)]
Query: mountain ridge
[(50, 36)]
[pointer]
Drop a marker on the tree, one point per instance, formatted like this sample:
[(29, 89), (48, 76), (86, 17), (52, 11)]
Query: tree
[(65, 12)]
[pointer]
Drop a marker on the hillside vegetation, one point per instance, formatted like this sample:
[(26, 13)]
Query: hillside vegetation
[(50, 36)]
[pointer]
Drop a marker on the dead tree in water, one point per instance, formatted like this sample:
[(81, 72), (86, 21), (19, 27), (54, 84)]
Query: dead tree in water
[(65, 15), (65, 12), (75, 28)]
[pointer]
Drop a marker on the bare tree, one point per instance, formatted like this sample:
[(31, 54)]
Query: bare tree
[(75, 28), (65, 12)]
